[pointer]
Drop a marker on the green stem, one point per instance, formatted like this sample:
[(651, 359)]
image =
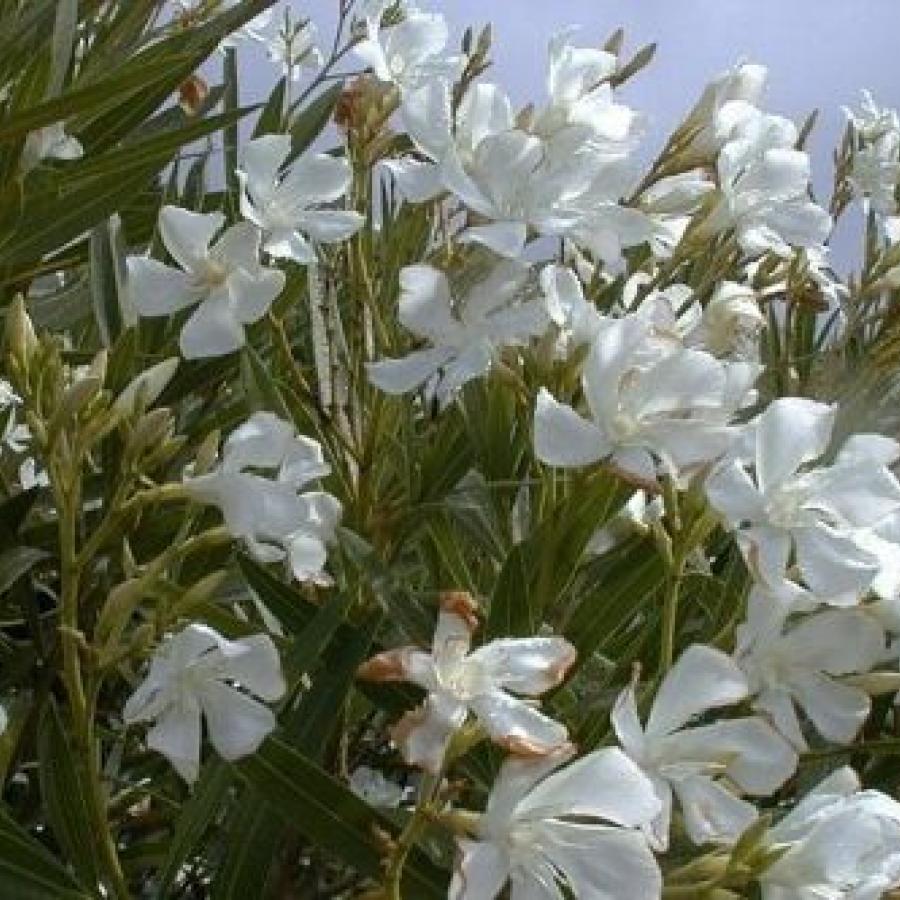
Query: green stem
[(68, 499), (408, 837)]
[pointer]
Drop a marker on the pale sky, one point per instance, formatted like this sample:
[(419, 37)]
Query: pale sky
[(820, 53)]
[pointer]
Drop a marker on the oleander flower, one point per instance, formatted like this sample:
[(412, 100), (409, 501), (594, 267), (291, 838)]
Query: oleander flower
[(697, 763), (224, 280), (653, 404), (797, 664), (764, 184), (410, 52), (838, 842), (496, 683), (577, 319), (288, 204), (875, 160), (466, 333), (789, 508), (197, 674), (547, 829), (271, 515), (730, 323), (742, 84)]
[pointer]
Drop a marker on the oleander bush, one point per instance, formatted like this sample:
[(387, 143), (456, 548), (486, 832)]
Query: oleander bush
[(405, 495)]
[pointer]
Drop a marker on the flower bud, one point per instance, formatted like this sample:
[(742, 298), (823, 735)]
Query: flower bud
[(143, 390)]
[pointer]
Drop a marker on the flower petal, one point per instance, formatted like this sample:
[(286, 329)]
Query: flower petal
[(516, 726), (212, 330), (564, 438), (176, 735), (156, 289), (187, 235), (529, 666), (712, 813), (237, 724), (399, 376), (791, 431), (702, 679)]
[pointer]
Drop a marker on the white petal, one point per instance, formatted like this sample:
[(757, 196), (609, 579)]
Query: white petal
[(176, 735), (602, 863), (417, 181), (733, 494), (506, 239), (753, 754), (314, 178), (426, 303), (529, 666), (711, 812), (330, 226), (237, 724), (767, 551), (261, 160), (626, 723), (187, 235), (307, 557), (426, 115), (253, 295), (212, 330), (517, 726), (423, 734), (832, 564), (156, 289), (778, 705), (238, 248), (702, 678), (604, 784), (399, 376), (791, 431), (480, 873), (564, 438), (253, 662), (837, 710)]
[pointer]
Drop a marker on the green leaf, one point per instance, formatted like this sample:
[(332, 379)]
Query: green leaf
[(30, 872), (106, 273), (62, 44), (65, 799), (269, 121), (310, 122), (16, 562), (333, 817), (206, 801)]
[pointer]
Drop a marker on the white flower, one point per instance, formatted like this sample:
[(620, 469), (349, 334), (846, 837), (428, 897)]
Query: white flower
[(638, 513), (286, 204), (196, 674), (876, 157), (795, 664), (580, 95), (270, 515), (226, 280), (730, 323), (516, 179), (576, 827), (743, 84), (696, 763), (411, 52), (483, 682), (764, 183), (788, 508), (465, 333), (839, 842), (578, 319), (649, 399), (370, 785), (49, 142)]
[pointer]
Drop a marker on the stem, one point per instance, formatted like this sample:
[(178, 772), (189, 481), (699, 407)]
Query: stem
[(409, 836), (670, 611), (68, 500)]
